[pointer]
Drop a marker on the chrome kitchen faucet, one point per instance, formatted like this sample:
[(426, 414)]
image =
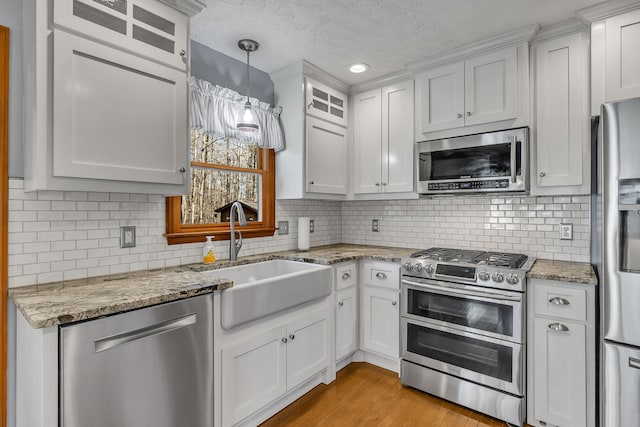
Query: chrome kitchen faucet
[(234, 247)]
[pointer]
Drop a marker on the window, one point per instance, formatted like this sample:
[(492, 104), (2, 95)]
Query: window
[(224, 170)]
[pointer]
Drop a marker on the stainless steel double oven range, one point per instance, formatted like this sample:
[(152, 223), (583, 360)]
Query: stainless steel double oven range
[(463, 328)]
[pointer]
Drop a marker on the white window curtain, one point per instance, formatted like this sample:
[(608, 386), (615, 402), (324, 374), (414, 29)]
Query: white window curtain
[(215, 110)]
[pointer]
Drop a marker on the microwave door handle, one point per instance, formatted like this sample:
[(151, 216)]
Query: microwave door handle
[(514, 142)]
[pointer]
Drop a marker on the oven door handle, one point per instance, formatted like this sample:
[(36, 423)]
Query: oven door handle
[(453, 290), (514, 142)]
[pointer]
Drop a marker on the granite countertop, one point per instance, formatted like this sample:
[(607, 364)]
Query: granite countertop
[(59, 303), (565, 271)]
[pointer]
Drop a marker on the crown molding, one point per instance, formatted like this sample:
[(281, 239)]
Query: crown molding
[(606, 10), (188, 7), (512, 38), (573, 25), (385, 80), (322, 76)]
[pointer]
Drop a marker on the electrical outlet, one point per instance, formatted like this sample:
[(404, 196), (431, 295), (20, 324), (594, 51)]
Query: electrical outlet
[(311, 226), (375, 225), (283, 228), (128, 237), (566, 231)]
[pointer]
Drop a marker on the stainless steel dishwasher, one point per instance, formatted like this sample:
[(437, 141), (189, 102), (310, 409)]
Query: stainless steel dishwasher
[(151, 367)]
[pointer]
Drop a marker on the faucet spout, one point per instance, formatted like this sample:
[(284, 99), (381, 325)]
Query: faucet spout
[(234, 246)]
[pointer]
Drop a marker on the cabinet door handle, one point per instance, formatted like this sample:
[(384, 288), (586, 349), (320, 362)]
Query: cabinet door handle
[(377, 184), (346, 276), (558, 327), (542, 174), (459, 115), (284, 340), (634, 363), (183, 170), (384, 183), (292, 337), (468, 113), (311, 183), (559, 301), (310, 105), (341, 303), (394, 302), (381, 275)]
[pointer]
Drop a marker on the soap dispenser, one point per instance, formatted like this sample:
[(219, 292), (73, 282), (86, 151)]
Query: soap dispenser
[(208, 255)]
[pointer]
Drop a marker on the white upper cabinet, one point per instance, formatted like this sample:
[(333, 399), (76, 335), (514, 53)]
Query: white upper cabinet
[(326, 103), (367, 136), (326, 157), (622, 58), (383, 139), (94, 139), (561, 123), (615, 62), (491, 87), (440, 94), (145, 27), (481, 89), (314, 118), (108, 96)]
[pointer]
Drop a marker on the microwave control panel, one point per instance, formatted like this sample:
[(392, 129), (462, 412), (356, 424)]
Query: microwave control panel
[(468, 185)]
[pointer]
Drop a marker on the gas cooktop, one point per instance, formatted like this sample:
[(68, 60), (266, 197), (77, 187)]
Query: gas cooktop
[(496, 259), (488, 269)]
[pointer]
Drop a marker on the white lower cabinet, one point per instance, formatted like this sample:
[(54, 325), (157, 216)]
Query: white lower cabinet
[(259, 369), (380, 321), (561, 355), (560, 362), (346, 322)]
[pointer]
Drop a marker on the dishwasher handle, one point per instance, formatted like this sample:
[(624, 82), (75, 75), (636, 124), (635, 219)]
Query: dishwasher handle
[(108, 343)]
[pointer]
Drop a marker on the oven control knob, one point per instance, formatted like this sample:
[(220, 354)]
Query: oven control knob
[(407, 266), (417, 268), (429, 269), (497, 277), (484, 276), (513, 279)]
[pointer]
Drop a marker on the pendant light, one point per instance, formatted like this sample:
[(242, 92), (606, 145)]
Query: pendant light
[(248, 122)]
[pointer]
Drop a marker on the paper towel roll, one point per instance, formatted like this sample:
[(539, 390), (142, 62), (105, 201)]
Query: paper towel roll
[(303, 233)]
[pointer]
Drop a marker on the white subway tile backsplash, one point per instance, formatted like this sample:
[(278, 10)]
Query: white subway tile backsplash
[(57, 236)]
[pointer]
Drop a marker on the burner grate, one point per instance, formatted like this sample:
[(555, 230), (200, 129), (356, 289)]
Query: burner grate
[(496, 259)]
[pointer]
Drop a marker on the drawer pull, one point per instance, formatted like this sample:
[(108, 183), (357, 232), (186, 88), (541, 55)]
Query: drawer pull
[(559, 301), (381, 275), (634, 363), (341, 303), (346, 276), (558, 327)]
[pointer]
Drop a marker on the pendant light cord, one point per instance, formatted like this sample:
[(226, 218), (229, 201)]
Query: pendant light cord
[(248, 85)]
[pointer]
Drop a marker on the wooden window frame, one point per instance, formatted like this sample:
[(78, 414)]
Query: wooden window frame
[(177, 232), (4, 214)]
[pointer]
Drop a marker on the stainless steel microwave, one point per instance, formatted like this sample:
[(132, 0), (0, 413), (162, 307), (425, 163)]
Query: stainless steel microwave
[(487, 162)]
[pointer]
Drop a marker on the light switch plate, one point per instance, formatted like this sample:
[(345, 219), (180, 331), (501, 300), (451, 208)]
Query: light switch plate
[(128, 236), (375, 225), (566, 231), (311, 226), (283, 228)]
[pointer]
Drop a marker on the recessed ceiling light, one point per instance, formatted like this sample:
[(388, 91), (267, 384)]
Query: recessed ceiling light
[(358, 68)]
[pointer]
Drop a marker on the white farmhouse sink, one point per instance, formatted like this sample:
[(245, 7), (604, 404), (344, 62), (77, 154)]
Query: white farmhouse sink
[(267, 287)]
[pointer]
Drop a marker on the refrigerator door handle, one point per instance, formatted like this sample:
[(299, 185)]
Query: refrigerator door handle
[(634, 363)]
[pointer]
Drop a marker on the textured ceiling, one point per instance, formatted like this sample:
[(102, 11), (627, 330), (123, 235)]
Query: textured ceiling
[(386, 34)]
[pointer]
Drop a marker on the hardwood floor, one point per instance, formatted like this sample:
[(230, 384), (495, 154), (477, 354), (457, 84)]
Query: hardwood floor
[(366, 395)]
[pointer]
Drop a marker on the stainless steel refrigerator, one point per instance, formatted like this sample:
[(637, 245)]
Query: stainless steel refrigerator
[(616, 255)]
